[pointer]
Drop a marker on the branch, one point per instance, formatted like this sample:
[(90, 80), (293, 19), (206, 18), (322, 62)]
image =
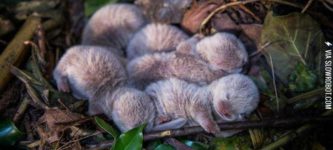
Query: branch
[(293, 134), (16, 52), (269, 123)]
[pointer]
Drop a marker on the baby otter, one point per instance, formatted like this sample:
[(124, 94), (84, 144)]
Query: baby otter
[(221, 51), (153, 67), (155, 37), (178, 103), (113, 25), (87, 71)]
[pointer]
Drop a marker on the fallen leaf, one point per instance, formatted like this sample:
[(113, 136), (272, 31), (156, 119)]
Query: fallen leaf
[(223, 23), (56, 122), (296, 40), (193, 17), (253, 31), (107, 127)]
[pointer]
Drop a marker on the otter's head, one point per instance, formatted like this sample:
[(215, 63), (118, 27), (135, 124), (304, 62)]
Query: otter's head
[(234, 97), (223, 51)]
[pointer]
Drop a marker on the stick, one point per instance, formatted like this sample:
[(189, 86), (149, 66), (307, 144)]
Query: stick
[(244, 8), (16, 51), (307, 95), (292, 135), (269, 123), (41, 43), (307, 6), (221, 8), (22, 108)]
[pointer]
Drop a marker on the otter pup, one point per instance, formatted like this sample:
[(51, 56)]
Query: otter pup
[(155, 37), (157, 66), (88, 71), (221, 51), (178, 103), (113, 25), (123, 107)]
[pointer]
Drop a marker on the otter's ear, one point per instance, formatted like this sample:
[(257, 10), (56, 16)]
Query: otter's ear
[(94, 109)]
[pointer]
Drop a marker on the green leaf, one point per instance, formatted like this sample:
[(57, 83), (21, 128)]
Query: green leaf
[(107, 127), (92, 5), (164, 147), (302, 79), (9, 134), (131, 140), (196, 145), (294, 39), (232, 143)]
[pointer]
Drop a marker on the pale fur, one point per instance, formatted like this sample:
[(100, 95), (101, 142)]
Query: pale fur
[(154, 67), (113, 25), (126, 108), (184, 104), (178, 99), (189, 46), (237, 90), (155, 37), (222, 51), (88, 71)]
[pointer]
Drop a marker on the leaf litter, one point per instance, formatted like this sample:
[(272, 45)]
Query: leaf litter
[(288, 74)]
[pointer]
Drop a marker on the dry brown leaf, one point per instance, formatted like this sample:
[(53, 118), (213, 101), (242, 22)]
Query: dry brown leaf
[(193, 17), (56, 121), (222, 22), (252, 31)]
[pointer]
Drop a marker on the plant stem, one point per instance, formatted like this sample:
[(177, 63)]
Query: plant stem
[(269, 123), (293, 134)]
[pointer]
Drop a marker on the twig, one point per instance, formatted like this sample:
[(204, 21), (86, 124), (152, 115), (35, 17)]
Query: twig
[(327, 5), (306, 95), (292, 135), (22, 108), (41, 42), (287, 3), (53, 22), (35, 144), (242, 3), (68, 143), (328, 1), (221, 8), (33, 94), (307, 6), (269, 123), (16, 52), (259, 51), (31, 91), (285, 139), (244, 8), (23, 76), (272, 123), (37, 58), (274, 84)]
